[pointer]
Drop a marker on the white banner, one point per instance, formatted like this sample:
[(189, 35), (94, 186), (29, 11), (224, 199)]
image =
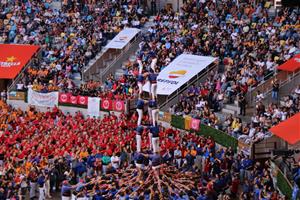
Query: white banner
[(123, 38), (179, 71), (42, 99), (94, 106)]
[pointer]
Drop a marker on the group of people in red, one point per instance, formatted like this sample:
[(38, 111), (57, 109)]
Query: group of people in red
[(89, 158)]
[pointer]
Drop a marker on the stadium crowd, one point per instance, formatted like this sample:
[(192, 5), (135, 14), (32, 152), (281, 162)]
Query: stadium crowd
[(95, 158), (240, 35), (69, 38)]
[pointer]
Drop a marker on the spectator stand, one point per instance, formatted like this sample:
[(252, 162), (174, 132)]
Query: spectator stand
[(111, 57), (219, 136), (279, 176), (119, 59), (287, 76)]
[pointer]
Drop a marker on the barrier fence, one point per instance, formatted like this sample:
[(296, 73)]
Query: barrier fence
[(67, 99), (280, 181), (220, 137)]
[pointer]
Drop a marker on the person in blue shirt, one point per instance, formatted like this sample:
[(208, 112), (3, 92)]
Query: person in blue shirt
[(139, 131), (66, 190), (41, 184), (152, 77), (296, 192), (154, 131), (80, 168), (154, 111), (140, 82), (140, 109)]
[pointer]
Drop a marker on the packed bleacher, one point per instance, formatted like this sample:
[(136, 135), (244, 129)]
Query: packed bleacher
[(69, 38), (250, 35)]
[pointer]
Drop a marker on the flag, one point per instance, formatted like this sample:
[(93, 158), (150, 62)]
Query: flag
[(195, 124), (187, 122), (106, 104)]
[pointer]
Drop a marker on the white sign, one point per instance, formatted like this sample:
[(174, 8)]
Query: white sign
[(42, 99), (123, 38), (179, 71), (94, 106)]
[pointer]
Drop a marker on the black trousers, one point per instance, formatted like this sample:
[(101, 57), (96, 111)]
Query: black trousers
[(243, 110)]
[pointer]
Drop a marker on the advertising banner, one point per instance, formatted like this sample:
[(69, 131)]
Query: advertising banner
[(16, 95), (13, 58), (195, 124), (73, 99), (64, 97), (180, 71), (106, 104), (82, 100), (119, 106), (42, 99), (123, 38)]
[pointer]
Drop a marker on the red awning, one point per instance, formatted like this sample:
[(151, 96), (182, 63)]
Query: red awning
[(13, 58), (288, 130), (291, 65)]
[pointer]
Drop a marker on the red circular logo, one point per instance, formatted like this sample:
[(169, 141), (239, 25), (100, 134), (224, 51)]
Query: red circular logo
[(63, 98), (119, 106), (106, 104), (82, 100), (73, 99), (194, 124)]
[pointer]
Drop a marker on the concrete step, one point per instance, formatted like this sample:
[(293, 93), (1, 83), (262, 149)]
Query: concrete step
[(222, 116), (228, 111), (132, 58), (236, 102), (232, 107)]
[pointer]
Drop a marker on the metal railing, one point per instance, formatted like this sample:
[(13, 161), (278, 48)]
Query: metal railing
[(21, 73), (284, 82), (92, 62), (265, 85), (109, 68)]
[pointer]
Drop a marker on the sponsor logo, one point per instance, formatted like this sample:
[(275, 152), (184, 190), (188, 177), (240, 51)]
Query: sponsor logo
[(82, 100), (73, 99), (177, 74), (123, 38), (167, 81), (64, 98), (106, 104), (297, 60), (119, 106), (10, 61)]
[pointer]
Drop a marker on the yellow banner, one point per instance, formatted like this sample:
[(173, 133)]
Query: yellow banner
[(187, 122)]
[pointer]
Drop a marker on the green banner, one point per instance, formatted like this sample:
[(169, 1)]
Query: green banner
[(220, 137)]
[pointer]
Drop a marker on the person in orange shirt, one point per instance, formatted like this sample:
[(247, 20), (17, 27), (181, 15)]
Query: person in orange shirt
[(193, 151)]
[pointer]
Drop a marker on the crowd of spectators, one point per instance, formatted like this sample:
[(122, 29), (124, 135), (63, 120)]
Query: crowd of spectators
[(264, 117), (248, 42), (94, 158), (247, 39), (69, 38)]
